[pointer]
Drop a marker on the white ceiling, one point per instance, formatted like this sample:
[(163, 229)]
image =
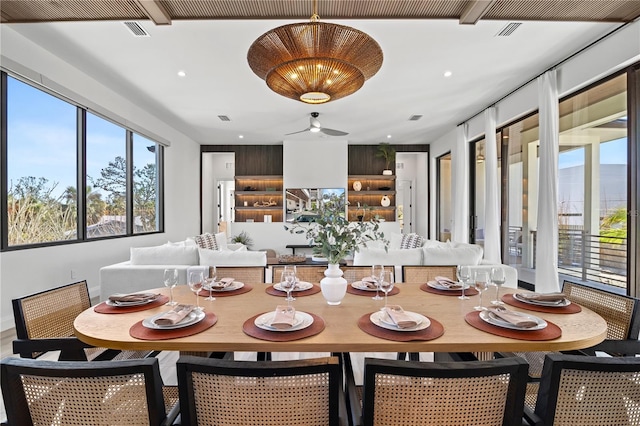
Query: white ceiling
[(220, 82)]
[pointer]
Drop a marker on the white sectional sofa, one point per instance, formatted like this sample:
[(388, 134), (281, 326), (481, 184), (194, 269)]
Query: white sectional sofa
[(145, 268), (428, 253)]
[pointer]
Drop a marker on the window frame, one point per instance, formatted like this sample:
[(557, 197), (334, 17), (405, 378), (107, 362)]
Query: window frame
[(81, 172)]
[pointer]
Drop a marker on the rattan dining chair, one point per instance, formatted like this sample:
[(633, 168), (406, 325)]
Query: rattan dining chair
[(308, 273), (44, 322), (422, 274), (245, 274), (80, 393), (587, 391), (618, 310), (431, 393), (221, 392)]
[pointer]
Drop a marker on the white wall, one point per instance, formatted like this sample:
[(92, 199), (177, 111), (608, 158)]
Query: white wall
[(315, 163), (28, 271), (216, 166)]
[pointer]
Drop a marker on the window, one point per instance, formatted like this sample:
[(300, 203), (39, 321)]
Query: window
[(41, 188)]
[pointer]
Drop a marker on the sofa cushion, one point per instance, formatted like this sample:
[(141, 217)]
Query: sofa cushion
[(232, 258), (410, 241), (374, 256), (221, 240), (164, 255), (207, 241), (452, 254)]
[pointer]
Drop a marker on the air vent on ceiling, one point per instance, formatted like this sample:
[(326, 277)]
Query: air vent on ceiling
[(136, 29), (224, 118), (508, 29), (415, 117)]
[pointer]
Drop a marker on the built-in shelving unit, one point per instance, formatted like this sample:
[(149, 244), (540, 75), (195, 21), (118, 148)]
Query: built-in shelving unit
[(366, 202), (257, 197)]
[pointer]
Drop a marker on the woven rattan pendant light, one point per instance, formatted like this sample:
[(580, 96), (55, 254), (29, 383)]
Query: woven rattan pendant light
[(315, 62)]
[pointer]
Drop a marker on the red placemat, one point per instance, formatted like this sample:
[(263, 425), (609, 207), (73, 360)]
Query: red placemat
[(468, 292), (249, 327), (358, 292), (550, 332), (139, 331), (103, 308), (434, 331), (570, 309), (244, 289), (313, 290)]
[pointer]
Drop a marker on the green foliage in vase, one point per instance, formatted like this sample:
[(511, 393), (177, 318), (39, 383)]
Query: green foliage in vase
[(387, 153), (243, 238), (331, 233)]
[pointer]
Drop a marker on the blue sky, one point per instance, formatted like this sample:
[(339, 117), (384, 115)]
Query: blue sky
[(42, 140)]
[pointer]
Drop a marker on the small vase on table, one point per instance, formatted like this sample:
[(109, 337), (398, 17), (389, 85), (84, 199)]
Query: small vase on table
[(333, 286)]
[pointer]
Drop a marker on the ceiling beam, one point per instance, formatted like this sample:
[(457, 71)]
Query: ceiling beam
[(155, 11), (474, 10)]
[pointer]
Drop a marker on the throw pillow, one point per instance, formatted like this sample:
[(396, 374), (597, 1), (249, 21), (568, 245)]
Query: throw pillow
[(221, 240), (410, 241), (207, 241)]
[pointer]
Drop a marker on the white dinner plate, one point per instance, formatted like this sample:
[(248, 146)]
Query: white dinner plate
[(378, 316), (438, 286), (135, 303), (362, 286), (565, 302), (233, 286), (193, 318), (300, 286), (493, 319), (301, 320)]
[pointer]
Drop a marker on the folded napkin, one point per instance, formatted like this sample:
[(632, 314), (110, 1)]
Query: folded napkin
[(399, 317), (284, 317), (222, 283), (175, 315), (369, 282), (515, 318), (133, 297), (447, 282), (544, 297)]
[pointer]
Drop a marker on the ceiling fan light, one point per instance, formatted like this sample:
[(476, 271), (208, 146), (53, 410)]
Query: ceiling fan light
[(316, 52), (314, 129)]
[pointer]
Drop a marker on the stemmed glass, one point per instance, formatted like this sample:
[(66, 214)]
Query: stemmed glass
[(464, 276), (376, 273), (195, 281), (288, 282), (497, 278), (481, 282), (386, 284), (171, 280), (213, 276)]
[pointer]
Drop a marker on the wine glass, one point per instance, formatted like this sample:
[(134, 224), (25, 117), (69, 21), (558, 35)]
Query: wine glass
[(376, 273), (497, 278), (195, 281), (464, 276), (481, 281), (213, 276), (171, 280), (386, 284), (288, 282)]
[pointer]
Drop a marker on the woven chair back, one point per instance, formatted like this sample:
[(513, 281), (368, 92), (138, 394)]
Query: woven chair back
[(308, 273), (221, 392), (245, 274), (422, 274)]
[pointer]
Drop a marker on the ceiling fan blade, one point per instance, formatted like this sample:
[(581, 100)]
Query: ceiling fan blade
[(332, 132), (295, 133)]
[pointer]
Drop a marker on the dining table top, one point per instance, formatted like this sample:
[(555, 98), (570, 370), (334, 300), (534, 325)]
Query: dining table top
[(341, 332)]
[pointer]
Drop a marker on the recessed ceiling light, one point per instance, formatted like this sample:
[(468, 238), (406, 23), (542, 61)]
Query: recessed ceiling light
[(240, 136), (448, 73), (182, 73), (388, 136)]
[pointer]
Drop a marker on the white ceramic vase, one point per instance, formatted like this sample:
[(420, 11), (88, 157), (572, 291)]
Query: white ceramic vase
[(333, 286)]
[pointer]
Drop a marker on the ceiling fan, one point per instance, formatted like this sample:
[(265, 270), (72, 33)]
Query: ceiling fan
[(315, 126)]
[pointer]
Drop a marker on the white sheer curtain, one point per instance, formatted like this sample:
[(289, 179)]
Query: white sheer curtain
[(547, 238), (492, 201), (460, 190)]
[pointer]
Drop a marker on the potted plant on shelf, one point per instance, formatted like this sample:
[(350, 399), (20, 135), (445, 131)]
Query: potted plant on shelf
[(388, 154), (334, 237)]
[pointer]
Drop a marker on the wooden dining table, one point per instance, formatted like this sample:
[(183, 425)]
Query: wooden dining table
[(341, 332)]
